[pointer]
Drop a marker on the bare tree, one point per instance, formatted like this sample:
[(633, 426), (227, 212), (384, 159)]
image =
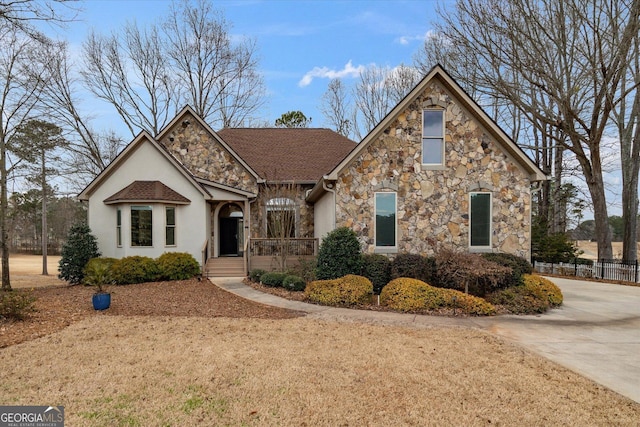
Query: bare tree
[(88, 151), (21, 14), (279, 199), (146, 74), (336, 108), (558, 49), (22, 78)]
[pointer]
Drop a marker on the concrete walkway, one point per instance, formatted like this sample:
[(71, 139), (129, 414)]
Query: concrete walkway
[(595, 333)]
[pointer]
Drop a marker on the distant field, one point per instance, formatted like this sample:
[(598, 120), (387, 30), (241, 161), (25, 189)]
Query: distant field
[(25, 271), (590, 249)]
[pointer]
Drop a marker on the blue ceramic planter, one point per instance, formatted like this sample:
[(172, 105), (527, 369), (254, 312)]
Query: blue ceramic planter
[(101, 301)]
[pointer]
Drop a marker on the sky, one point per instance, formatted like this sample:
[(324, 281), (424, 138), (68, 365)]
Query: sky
[(301, 44)]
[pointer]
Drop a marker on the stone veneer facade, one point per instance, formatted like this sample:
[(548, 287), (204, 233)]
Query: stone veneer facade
[(433, 205), (206, 158)]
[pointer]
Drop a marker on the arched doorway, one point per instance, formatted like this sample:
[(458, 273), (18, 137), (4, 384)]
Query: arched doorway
[(231, 234)]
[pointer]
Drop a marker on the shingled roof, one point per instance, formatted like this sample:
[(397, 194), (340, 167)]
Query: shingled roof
[(147, 191), (288, 154)]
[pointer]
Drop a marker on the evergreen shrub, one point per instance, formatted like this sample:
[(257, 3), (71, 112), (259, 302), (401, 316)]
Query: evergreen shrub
[(76, 252), (377, 268), (294, 283), (135, 269), (339, 254), (414, 266), (256, 274), (177, 266), (350, 290), (16, 305), (535, 295), (273, 279)]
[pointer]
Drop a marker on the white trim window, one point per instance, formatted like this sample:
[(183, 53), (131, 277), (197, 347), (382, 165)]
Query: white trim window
[(385, 221), (119, 228), (480, 214), (433, 137), (170, 226), (141, 226), (281, 221)]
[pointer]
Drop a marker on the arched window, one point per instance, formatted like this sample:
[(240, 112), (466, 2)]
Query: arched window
[(281, 218)]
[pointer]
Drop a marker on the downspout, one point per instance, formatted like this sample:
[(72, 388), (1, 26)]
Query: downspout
[(330, 188)]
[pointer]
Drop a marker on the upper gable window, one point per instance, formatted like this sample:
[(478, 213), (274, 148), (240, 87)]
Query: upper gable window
[(433, 137)]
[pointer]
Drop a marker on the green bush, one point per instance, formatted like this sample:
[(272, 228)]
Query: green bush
[(416, 296), (98, 272), (135, 269), (256, 274), (414, 266), (377, 268), (78, 249), (339, 254), (306, 268), (535, 295), (177, 266), (518, 265), (16, 305), (294, 283), (273, 279), (347, 291)]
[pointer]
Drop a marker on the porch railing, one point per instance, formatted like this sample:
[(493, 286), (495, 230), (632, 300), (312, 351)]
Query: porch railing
[(275, 247)]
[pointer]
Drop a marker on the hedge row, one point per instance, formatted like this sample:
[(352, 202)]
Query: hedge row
[(140, 269), (535, 295)]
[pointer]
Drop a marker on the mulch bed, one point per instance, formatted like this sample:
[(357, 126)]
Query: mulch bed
[(58, 307)]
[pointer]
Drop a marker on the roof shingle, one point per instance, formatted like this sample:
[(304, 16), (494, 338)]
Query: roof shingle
[(289, 154), (148, 191)]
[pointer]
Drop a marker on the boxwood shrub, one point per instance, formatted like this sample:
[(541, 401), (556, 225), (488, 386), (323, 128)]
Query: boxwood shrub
[(416, 296), (177, 266), (377, 268), (347, 291), (518, 265), (414, 266), (256, 274), (535, 295), (273, 279), (135, 269), (294, 283)]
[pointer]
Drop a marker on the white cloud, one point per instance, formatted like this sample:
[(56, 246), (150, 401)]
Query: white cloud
[(405, 40), (325, 73)]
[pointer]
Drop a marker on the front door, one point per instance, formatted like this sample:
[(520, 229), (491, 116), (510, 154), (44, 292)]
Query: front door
[(228, 236)]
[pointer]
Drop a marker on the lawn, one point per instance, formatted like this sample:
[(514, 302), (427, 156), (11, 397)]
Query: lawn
[(202, 369)]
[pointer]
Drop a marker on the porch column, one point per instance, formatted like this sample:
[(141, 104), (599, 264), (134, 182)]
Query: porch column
[(247, 234)]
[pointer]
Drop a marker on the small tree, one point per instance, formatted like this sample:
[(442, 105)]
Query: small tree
[(79, 248), (293, 119), (280, 224), (339, 254)]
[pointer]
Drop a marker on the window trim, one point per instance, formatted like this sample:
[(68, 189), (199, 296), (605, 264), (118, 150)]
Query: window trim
[(394, 247), (479, 248), (280, 204), (167, 226), (119, 228), (441, 137), (140, 208)]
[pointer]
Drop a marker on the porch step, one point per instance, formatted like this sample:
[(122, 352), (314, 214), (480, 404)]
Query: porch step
[(225, 267)]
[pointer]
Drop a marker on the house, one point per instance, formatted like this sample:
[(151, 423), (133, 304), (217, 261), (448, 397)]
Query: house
[(435, 172)]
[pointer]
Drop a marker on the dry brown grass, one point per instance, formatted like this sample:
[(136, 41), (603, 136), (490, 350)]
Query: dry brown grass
[(26, 271), (112, 370), (151, 370)]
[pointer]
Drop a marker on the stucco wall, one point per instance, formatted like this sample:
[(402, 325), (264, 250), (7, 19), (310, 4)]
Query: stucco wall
[(433, 205), (191, 219)]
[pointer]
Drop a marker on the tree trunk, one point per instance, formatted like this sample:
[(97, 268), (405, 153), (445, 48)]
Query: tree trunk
[(44, 218), (601, 217), (4, 235)]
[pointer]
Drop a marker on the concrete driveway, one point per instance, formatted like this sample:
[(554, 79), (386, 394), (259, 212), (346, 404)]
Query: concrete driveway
[(596, 332)]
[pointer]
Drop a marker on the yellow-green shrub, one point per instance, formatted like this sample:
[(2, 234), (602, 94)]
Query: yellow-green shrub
[(345, 291), (413, 295), (535, 295), (544, 289)]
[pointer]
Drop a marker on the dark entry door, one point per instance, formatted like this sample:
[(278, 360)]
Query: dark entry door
[(229, 236)]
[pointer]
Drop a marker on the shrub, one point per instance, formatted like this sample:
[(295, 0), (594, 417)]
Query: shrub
[(469, 273), (306, 268), (518, 265), (413, 295), (135, 269), (339, 254), (16, 304), (414, 266), (294, 283), (256, 274), (535, 295), (76, 252), (98, 272), (273, 279), (177, 266), (377, 268), (345, 291)]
